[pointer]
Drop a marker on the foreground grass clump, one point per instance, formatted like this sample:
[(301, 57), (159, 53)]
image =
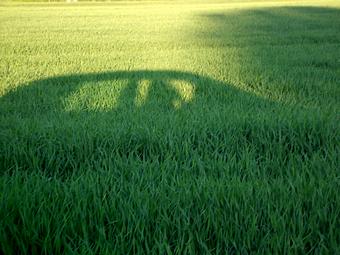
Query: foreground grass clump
[(170, 128)]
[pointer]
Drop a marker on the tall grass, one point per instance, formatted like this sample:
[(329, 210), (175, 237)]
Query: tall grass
[(170, 129)]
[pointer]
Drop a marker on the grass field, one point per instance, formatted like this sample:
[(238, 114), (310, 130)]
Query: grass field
[(170, 128)]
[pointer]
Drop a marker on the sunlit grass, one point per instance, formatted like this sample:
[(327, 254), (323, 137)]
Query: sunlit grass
[(170, 128), (143, 88)]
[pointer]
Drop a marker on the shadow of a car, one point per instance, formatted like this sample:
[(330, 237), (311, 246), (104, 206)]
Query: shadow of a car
[(125, 92), (143, 113)]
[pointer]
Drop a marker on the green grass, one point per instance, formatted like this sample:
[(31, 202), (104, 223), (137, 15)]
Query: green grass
[(170, 128)]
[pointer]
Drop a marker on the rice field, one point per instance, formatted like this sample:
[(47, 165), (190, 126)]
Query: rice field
[(169, 127)]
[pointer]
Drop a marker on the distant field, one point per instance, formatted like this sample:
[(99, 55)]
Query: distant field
[(170, 128)]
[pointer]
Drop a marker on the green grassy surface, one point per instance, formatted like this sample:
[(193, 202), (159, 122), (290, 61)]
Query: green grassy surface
[(162, 128)]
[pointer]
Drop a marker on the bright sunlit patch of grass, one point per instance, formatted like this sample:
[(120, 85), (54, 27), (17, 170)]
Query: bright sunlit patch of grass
[(185, 90), (97, 96), (142, 94)]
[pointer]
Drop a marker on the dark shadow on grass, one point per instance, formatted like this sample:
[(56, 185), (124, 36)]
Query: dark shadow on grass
[(42, 124), (165, 92)]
